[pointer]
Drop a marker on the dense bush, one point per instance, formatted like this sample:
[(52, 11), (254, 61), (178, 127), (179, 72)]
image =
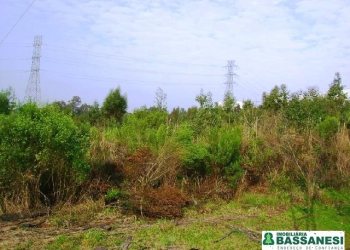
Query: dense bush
[(6, 101), (328, 127), (225, 152), (212, 149), (115, 105), (276, 99), (42, 154), (196, 160), (195, 157), (305, 110)]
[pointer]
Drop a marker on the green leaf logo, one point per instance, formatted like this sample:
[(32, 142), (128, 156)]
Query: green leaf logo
[(268, 239)]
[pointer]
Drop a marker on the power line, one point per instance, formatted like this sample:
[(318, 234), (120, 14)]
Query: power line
[(18, 20), (114, 56), (15, 59), (111, 78), (76, 63)]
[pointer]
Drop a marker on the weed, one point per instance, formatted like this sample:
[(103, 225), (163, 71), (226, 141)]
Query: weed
[(76, 215)]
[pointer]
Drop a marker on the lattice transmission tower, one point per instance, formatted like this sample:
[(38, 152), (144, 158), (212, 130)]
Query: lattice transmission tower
[(231, 65), (33, 92)]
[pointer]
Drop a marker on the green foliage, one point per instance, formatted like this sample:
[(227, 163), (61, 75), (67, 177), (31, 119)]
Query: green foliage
[(113, 194), (196, 156), (90, 113), (336, 90), (115, 105), (229, 102), (257, 154), (338, 102), (144, 127), (41, 148), (233, 173), (248, 105), (229, 106), (178, 115), (306, 110), (207, 115), (205, 100), (63, 242), (149, 118), (276, 99), (225, 146), (6, 101), (81, 112), (184, 134), (347, 119), (328, 127), (94, 237), (91, 239), (341, 200), (196, 160)]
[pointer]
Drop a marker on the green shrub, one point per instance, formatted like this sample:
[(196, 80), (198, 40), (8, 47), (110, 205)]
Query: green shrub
[(340, 200), (225, 146), (257, 153), (42, 152), (195, 159), (115, 105), (328, 127), (347, 119), (143, 128), (112, 195), (306, 109), (184, 134), (4, 102)]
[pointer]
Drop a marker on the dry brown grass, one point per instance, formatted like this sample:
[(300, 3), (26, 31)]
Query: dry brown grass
[(145, 168), (80, 214), (103, 150), (342, 148), (163, 202), (211, 187)]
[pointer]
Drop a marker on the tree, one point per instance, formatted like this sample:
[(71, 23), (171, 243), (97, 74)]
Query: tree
[(229, 102), (229, 105), (336, 89), (276, 99), (115, 105), (6, 101), (208, 114), (337, 97), (205, 100), (160, 100), (43, 154), (248, 105), (74, 105), (306, 109)]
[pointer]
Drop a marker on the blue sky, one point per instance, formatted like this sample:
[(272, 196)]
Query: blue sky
[(91, 46)]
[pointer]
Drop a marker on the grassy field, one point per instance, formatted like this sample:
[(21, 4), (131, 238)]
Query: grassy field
[(215, 225)]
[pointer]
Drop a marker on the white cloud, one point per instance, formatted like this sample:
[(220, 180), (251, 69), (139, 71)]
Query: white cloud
[(300, 43)]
